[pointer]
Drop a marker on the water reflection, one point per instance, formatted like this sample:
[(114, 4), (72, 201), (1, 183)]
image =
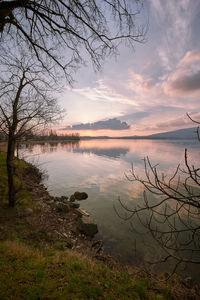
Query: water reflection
[(74, 146), (97, 167), (112, 152), (46, 147)]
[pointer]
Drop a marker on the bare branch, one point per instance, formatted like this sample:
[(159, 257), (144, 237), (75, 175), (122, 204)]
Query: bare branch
[(77, 26)]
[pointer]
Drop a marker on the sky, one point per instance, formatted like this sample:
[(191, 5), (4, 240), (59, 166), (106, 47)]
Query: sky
[(145, 91)]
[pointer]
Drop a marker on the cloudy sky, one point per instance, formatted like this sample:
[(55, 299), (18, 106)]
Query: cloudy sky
[(144, 91)]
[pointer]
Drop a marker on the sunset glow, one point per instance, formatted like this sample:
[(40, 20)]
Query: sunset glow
[(151, 88)]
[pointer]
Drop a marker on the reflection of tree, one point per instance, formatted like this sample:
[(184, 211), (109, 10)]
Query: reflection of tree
[(173, 216), (70, 146), (47, 147), (74, 146), (111, 152)]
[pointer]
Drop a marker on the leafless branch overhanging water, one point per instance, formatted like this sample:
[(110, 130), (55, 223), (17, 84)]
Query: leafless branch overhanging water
[(173, 218)]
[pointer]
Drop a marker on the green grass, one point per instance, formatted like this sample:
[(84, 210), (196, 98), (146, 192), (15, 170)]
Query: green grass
[(3, 176), (31, 274), (23, 197)]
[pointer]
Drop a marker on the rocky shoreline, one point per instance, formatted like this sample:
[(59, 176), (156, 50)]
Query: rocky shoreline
[(61, 218)]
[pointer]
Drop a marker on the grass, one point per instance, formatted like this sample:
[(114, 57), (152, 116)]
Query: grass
[(23, 197), (3, 176), (31, 274)]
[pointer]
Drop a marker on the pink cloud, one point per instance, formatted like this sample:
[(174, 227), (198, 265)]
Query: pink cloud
[(190, 57), (139, 83), (185, 80)]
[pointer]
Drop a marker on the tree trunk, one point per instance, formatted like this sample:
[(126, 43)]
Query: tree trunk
[(11, 170), (11, 145)]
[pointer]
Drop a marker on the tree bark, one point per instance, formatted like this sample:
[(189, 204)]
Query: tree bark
[(11, 170)]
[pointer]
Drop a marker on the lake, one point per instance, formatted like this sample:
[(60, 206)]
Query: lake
[(98, 167)]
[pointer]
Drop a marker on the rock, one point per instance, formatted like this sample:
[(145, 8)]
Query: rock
[(87, 225), (80, 196), (64, 198), (72, 198), (75, 204), (51, 202), (56, 199), (61, 207), (47, 199)]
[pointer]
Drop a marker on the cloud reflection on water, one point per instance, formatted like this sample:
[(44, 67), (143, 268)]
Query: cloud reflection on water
[(97, 167)]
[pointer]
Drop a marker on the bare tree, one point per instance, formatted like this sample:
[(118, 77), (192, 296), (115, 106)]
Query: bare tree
[(173, 217), (63, 31), (25, 104), (59, 34)]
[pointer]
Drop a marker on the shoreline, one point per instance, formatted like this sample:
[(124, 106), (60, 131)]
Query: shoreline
[(46, 226), (57, 218), (61, 218)]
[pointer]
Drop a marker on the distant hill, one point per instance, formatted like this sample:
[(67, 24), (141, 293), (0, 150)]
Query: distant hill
[(186, 133)]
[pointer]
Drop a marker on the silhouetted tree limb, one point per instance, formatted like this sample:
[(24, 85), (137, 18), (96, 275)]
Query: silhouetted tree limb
[(25, 104), (63, 31), (173, 217)]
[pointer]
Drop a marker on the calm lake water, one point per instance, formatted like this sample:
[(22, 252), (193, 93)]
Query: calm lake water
[(98, 167)]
